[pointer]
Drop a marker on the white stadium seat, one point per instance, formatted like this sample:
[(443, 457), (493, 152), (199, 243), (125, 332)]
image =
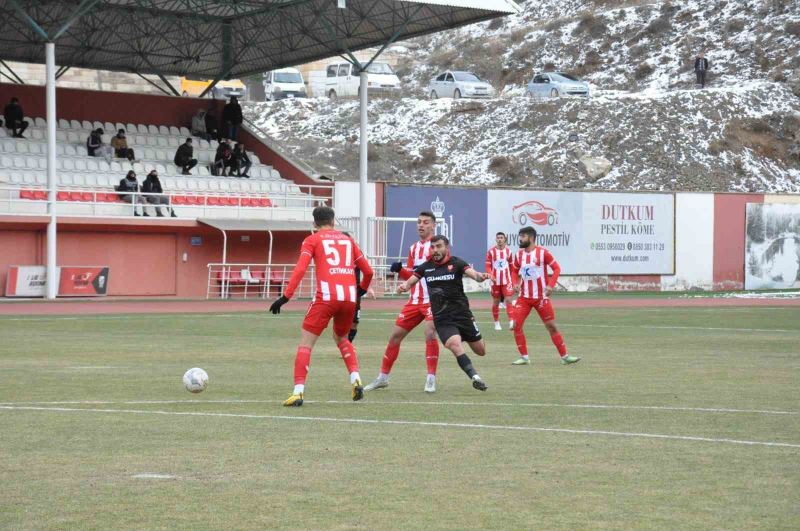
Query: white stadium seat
[(152, 129), (63, 124), (86, 125), (91, 180), (91, 165), (163, 129), (79, 179), (68, 164), (116, 167), (161, 155), (163, 142), (70, 151), (21, 147), (75, 124), (66, 179), (40, 122), (80, 165), (109, 127), (174, 131), (142, 129), (19, 162), (61, 136), (73, 137), (185, 132), (118, 126)]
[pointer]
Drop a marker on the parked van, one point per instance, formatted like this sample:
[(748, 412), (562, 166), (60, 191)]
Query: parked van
[(221, 91), (341, 80), (284, 83)]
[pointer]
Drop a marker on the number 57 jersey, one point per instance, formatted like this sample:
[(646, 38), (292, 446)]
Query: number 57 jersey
[(335, 257)]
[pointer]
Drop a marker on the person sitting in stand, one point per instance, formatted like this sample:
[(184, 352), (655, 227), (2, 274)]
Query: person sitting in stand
[(223, 158), (152, 185), (212, 126), (199, 125), (241, 162), (129, 188), (14, 115), (183, 157), (120, 145), (95, 146)]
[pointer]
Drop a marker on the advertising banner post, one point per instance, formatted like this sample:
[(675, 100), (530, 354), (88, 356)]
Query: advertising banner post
[(591, 233), (772, 246)]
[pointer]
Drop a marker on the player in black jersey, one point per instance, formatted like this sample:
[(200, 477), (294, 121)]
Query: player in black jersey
[(451, 314)]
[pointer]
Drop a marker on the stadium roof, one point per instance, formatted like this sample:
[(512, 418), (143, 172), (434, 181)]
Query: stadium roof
[(220, 39)]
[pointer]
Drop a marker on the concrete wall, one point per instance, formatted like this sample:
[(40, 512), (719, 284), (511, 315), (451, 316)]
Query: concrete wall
[(143, 260), (694, 243)]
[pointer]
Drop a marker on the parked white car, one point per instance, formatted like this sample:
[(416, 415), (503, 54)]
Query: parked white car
[(342, 80), (284, 83), (455, 84), (555, 85)]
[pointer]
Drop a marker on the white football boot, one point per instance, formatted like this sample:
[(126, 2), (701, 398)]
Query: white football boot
[(430, 384)]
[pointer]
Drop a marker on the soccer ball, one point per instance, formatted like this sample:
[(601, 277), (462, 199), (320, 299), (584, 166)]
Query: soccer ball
[(195, 380)]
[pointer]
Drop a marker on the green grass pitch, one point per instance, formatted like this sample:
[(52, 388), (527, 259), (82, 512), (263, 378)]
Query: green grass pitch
[(97, 432)]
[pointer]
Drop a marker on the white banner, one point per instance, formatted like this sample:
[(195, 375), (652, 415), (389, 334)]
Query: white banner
[(772, 246), (26, 281), (591, 233)]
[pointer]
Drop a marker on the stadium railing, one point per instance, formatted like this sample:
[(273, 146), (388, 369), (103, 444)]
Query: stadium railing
[(32, 200), (267, 281)]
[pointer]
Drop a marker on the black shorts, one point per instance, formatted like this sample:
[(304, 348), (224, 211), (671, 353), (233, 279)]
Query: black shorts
[(463, 325), (357, 314)]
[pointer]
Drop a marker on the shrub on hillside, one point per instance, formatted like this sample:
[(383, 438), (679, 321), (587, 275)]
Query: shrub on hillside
[(659, 25), (792, 28), (642, 71), (590, 25)]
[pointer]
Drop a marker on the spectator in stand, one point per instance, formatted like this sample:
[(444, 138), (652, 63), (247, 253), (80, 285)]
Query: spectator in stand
[(232, 118), (700, 69), (223, 159), (120, 145), (183, 157), (129, 188), (241, 162), (95, 146), (152, 185), (14, 115)]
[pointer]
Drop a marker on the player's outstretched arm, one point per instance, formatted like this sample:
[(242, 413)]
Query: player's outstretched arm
[(366, 271), (405, 287), (556, 271), (476, 275), (306, 252)]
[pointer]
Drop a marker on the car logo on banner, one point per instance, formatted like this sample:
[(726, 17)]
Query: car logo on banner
[(534, 213)]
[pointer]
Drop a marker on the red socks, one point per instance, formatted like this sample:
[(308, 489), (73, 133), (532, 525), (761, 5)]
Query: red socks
[(432, 355), (496, 311), (301, 362), (519, 337), (392, 351), (558, 341), (349, 356), (509, 310)]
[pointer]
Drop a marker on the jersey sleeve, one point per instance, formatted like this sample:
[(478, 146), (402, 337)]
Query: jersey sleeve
[(419, 272), (550, 261), (489, 263), (408, 271), (306, 254), (513, 263), (362, 265)]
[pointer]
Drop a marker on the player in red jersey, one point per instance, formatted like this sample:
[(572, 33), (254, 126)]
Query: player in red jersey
[(531, 263), (498, 266), (416, 310), (335, 258)]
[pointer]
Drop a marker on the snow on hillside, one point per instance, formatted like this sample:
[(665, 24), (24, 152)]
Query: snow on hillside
[(618, 44), (645, 116)]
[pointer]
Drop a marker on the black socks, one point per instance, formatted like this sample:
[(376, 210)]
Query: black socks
[(466, 365)]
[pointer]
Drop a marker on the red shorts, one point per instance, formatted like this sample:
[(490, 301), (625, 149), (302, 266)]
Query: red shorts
[(506, 291), (523, 308), (412, 315), (320, 313)]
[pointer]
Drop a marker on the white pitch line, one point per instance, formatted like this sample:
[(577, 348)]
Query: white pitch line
[(411, 403), (645, 327), (415, 423)]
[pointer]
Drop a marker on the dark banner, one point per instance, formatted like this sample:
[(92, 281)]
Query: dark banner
[(83, 281), (464, 211)]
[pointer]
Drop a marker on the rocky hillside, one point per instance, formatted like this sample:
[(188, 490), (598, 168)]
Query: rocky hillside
[(646, 125)]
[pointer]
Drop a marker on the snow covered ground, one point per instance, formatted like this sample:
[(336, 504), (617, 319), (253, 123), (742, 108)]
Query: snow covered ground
[(645, 116)]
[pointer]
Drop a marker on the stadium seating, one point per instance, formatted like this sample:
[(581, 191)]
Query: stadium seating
[(87, 183)]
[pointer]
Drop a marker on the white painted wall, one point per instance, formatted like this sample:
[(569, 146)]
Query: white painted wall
[(694, 243), (345, 200)]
